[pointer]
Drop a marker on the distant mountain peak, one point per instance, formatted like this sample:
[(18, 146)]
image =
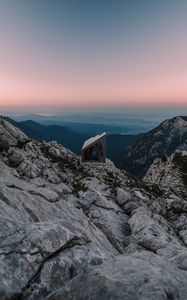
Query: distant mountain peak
[(176, 121)]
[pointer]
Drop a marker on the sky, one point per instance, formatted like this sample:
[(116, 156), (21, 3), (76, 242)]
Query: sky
[(84, 53)]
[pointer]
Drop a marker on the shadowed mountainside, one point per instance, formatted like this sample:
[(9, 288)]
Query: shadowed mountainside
[(162, 141)]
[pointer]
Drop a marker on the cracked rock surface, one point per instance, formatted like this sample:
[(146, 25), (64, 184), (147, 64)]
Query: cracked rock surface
[(70, 230), (170, 172)]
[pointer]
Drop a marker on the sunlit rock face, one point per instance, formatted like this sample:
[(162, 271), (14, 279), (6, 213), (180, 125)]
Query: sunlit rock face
[(73, 230)]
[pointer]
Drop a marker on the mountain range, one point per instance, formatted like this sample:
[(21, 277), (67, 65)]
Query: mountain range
[(90, 231), (70, 138), (133, 153)]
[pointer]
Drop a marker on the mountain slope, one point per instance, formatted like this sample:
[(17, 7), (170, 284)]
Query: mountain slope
[(118, 142), (159, 142), (170, 172), (24, 127), (69, 138), (72, 230)]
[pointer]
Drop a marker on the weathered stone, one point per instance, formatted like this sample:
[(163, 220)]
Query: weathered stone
[(139, 276), (123, 196), (63, 225), (16, 158)]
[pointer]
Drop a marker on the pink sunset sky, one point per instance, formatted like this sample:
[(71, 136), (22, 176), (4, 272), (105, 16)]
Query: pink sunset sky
[(60, 62)]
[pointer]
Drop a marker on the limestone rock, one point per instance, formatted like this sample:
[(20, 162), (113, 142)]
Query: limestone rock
[(72, 230), (139, 276)]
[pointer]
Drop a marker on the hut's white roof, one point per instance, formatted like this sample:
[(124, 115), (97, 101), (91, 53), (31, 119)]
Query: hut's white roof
[(92, 140)]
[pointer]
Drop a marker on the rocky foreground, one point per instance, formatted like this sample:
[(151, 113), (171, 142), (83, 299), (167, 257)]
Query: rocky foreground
[(78, 231)]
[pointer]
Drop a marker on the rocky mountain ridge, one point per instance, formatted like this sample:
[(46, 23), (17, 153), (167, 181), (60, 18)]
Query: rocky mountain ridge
[(162, 141), (170, 172), (72, 230)]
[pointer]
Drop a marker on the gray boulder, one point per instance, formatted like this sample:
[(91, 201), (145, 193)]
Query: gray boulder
[(139, 276)]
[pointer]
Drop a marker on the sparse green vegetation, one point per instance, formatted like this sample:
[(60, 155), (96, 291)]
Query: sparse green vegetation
[(78, 186), (22, 144)]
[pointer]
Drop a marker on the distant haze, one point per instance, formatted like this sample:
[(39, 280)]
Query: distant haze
[(93, 52), (116, 120)]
